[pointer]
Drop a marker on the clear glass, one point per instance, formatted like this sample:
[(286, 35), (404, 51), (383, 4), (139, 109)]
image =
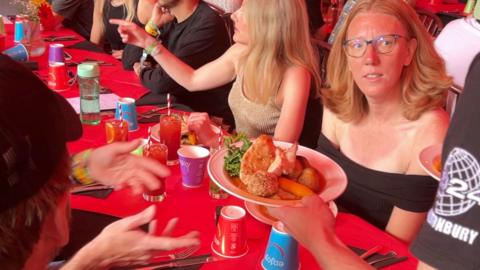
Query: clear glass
[(158, 152), (89, 100), (170, 133)]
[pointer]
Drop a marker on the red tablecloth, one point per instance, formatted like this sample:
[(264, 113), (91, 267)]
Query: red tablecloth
[(194, 207)]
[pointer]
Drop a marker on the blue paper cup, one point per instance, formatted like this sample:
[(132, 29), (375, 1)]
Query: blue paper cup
[(193, 161), (17, 53), (129, 112), (19, 31), (281, 252)]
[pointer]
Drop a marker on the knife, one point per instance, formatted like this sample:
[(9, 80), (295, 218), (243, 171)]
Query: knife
[(188, 261), (205, 258)]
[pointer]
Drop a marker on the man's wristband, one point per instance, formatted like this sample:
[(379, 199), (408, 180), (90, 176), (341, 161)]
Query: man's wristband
[(153, 49), (152, 29)]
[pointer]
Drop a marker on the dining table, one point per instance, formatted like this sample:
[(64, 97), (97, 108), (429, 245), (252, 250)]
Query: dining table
[(194, 207)]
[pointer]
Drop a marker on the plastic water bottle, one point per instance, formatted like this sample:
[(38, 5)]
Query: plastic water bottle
[(88, 81)]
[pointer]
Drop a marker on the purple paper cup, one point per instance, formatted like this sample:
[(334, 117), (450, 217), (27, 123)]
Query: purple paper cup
[(193, 161), (17, 53), (55, 53)]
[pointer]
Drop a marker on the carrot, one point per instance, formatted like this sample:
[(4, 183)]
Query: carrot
[(294, 187)]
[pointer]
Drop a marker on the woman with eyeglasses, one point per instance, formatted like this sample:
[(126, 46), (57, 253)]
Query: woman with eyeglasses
[(383, 107)]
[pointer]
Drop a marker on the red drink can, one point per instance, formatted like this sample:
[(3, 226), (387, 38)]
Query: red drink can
[(230, 239), (57, 76), (158, 152), (170, 133), (116, 130)]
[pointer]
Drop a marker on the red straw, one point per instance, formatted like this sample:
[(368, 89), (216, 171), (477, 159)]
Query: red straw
[(169, 103), (120, 116), (149, 142), (220, 137)]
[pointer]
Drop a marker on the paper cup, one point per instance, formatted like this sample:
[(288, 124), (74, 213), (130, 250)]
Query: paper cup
[(230, 240), (193, 161), (18, 53), (55, 53), (281, 252), (129, 112)]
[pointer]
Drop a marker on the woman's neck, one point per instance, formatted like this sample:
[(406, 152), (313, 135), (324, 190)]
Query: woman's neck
[(385, 109)]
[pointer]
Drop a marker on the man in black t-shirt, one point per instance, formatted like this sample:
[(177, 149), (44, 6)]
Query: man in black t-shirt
[(196, 39), (449, 239), (74, 14)]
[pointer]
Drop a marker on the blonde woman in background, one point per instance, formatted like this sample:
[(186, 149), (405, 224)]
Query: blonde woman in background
[(273, 65), (383, 107), (137, 11)]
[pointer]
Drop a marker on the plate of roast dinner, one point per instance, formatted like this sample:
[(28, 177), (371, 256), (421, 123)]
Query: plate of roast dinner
[(274, 173)]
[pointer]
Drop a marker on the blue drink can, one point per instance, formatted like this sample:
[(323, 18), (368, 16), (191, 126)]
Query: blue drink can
[(281, 252)]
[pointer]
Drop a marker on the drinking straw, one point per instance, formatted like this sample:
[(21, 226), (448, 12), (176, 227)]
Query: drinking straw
[(120, 116), (149, 141), (169, 103)]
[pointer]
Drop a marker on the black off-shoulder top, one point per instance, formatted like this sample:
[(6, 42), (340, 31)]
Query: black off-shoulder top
[(372, 194)]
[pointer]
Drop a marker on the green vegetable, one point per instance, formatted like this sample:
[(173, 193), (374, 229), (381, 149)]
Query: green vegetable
[(234, 155)]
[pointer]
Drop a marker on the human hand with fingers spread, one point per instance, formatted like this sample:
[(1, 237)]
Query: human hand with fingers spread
[(200, 124), (114, 165), (122, 243)]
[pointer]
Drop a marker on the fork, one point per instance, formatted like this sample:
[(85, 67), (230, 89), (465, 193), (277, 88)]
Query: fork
[(388, 256), (181, 254)]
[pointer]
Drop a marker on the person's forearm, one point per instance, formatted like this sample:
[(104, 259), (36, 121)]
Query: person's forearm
[(174, 67), (331, 253)]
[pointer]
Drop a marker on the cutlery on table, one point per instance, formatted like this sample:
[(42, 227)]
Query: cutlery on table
[(91, 187), (371, 251), (187, 262), (180, 254), (388, 256)]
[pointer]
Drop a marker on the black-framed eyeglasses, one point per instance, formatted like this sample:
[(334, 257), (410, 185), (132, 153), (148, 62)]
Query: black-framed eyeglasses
[(383, 44)]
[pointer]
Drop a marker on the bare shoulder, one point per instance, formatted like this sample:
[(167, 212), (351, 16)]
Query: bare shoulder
[(433, 123), (296, 70), (331, 125)]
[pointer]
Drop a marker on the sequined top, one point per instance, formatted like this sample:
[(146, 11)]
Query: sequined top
[(252, 118)]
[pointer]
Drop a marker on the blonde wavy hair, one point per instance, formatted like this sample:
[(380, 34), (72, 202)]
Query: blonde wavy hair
[(279, 38), (424, 83), (128, 4)]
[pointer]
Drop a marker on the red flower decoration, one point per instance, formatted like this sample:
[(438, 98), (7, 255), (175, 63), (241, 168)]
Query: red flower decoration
[(46, 16)]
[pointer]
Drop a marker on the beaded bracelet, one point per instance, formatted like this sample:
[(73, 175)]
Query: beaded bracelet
[(79, 167)]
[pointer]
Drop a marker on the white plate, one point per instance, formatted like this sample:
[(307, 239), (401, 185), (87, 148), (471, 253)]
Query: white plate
[(335, 178), (156, 130), (427, 158), (258, 212)]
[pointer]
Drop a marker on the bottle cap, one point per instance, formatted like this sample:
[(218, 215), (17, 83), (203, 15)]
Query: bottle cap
[(88, 70)]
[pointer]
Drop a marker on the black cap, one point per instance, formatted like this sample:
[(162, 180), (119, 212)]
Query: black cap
[(35, 124)]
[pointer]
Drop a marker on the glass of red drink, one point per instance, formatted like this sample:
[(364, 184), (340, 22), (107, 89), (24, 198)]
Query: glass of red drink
[(116, 130), (158, 152), (170, 133)]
